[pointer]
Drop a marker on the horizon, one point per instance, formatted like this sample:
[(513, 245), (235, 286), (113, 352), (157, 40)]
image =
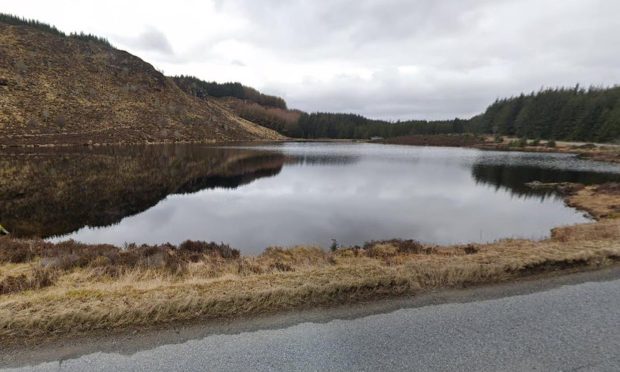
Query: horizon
[(353, 67)]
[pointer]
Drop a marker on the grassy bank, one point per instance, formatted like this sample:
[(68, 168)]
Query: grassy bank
[(59, 289), (598, 152)]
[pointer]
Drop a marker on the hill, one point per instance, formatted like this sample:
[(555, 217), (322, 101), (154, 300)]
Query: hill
[(266, 110), (59, 89), (202, 89)]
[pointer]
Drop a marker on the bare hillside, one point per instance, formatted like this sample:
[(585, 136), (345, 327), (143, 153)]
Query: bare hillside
[(58, 89)]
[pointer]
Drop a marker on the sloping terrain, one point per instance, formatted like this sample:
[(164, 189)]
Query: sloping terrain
[(263, 109), (282, 120), (58, 89)]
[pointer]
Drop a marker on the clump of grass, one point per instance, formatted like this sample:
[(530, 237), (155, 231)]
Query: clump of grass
[(382, 250), (37, 279), (521, 142), (601, 201), (402, 245), (300, 256), (194, 249)]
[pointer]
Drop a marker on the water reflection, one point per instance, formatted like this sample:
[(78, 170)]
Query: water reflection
[(298, 193), (514, 177), (53, 192)]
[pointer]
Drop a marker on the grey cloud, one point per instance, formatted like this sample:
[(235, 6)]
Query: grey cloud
[(151, 40), (348, 24), (345, 55), (391, 95), (468, 52)]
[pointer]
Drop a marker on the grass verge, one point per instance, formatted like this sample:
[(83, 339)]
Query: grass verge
[(59, 289)]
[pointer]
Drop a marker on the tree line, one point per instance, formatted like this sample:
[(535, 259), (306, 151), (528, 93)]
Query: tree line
[(576, 114), (330, 125), (203, 89), (19, 21), (560, 114)]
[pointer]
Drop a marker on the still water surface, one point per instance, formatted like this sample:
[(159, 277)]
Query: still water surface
[(301, 193)]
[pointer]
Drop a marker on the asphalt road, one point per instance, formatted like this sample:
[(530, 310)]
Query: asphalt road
[(571, 327)]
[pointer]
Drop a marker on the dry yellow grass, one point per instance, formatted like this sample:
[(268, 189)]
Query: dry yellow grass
[(86, 298), (602, 201), (600, 152)]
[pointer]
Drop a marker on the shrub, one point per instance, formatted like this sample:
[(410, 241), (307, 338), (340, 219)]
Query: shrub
[(299, 255), (223, 250), (40, 278), (70, 254), (551, 143), (521, 142), (334, 246), (382, 250), (16, 251), (403, 246), (280, 266)]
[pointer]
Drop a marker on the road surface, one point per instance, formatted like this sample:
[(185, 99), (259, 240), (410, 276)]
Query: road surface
[(568, 327)]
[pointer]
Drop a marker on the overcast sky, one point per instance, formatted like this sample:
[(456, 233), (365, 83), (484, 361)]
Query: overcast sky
[(390, 59)]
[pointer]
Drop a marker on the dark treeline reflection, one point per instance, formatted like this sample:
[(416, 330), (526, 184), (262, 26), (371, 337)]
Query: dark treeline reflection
[(515, 177), (47, 192)]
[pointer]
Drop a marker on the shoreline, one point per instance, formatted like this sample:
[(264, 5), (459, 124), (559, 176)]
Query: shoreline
[(107, 290), (596, 152), (599, 152), (133, 340)]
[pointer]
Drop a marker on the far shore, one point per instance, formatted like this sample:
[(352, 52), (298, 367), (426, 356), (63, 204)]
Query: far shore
[(606, 152)]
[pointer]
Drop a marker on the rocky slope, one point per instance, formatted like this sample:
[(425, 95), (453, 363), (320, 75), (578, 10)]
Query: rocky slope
[(58, 89)]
